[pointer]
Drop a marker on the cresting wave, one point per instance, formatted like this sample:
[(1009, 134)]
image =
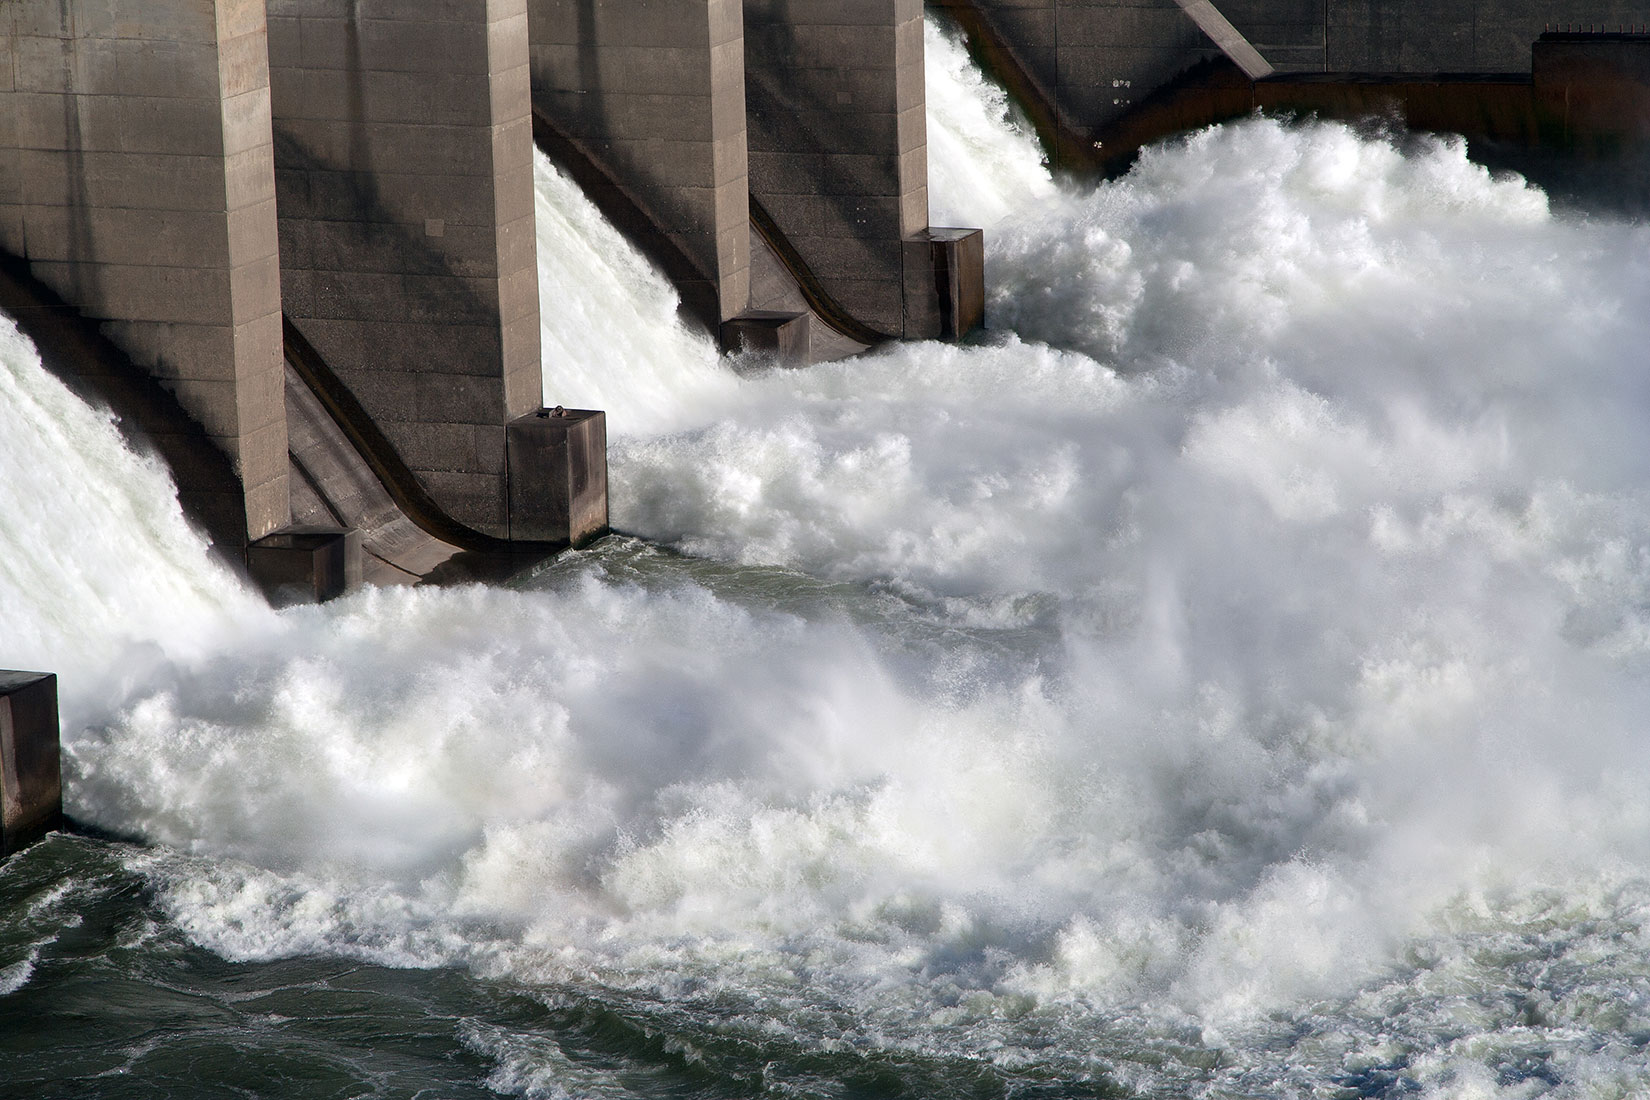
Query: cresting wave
[(1226, 677)]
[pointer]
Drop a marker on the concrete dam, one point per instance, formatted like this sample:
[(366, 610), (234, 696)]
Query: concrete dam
[(1226, 675), (292, 240)]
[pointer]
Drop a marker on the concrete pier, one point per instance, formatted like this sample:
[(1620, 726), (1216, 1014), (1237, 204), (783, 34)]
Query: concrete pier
[(655, 93), (31, 783), (403, 148), (136, 179), (558, 476), (839, 143)]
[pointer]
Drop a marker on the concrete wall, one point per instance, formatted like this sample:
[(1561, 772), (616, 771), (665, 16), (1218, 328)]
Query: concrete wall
[(403, 145), (136, 178), (1484, 36), (654, 92), (838, 142), (1098, 59)]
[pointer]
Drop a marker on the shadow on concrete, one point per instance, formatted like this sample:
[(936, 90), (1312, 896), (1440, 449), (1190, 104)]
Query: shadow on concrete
[(781, 117), (76, 352), (631, 216)]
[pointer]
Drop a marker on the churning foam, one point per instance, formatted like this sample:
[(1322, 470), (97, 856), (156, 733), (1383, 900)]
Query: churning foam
[(1231, 673)]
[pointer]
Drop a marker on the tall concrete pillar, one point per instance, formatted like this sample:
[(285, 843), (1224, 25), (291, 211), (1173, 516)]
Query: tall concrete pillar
[(839, 146), (136, 179), (655, 94), (403, 146)]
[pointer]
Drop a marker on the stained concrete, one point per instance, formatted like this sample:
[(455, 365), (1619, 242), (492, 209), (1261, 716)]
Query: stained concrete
[(1096, 61), (403, 145), (558, 476), (31, 784), (305, 564), (334, 486), (136, 179)]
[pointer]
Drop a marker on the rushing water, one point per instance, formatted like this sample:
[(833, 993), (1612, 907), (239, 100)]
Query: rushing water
[(1225, 678)]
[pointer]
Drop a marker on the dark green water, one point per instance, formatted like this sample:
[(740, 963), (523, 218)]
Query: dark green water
[(119, 1004)]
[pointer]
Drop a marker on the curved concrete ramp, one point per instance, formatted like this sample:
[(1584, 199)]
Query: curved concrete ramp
[(333, 486)]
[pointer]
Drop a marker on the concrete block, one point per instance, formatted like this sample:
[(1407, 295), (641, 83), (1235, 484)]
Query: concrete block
[(31, 783), (416, 46), (248, 177), (253, 232), (117, 291), (523, 379), (260, 397), (306, 564), (212, 405), (557, 476), (770, 334), (285, 41), (159, 238), (261, 456), (11, 224), (507, 42), (944, 283)]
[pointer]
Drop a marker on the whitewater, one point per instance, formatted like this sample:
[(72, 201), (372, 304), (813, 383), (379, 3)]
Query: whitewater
[(1226, 676)]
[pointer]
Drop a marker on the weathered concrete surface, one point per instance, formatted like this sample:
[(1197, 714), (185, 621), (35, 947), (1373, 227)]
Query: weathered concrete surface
[(1592, 92), (305, 564), (945, 279), (136, 179), (403, 144), (1094, 62), (31, 784), (558, 476), (1231, 41), (655, 93), (334, 486), (838, 141)]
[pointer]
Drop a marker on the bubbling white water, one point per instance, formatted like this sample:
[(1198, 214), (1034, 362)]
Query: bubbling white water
[(1232, 678), (982, 165)]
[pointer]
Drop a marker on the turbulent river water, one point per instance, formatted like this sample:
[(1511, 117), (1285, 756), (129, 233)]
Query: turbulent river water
[(1226, 677)]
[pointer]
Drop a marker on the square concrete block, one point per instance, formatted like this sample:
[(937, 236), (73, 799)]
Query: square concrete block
[(306, 564), (770, 333), (31, 783), (944, 283), (557, 471)]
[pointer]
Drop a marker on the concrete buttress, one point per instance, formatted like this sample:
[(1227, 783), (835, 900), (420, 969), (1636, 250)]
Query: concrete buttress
[(137, 181), (655, 94), (403, 152), (838, 144)]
